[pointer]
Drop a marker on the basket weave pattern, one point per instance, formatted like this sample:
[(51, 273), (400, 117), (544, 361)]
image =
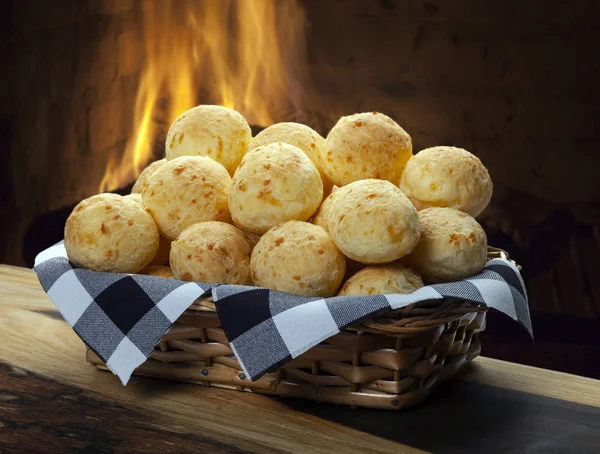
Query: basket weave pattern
[(391, 361)]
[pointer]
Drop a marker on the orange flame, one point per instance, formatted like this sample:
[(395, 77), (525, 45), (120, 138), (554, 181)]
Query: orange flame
[(247, 55)]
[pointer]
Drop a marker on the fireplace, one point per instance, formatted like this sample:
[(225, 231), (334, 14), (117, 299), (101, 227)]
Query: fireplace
[(93, 86)]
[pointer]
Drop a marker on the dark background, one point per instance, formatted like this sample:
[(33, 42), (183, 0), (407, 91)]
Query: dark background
[(515, 82)]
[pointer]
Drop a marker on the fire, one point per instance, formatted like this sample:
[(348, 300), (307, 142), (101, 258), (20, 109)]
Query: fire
[(247, 55)]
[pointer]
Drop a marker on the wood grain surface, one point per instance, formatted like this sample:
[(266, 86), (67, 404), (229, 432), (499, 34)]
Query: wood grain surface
[(51, 400)]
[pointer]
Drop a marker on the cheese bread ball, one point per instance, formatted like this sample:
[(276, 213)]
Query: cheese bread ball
[(382, 279), (372, 221), (303, 137), (321, 217), (447, 177), (164, 245), (366, 145), (298, 257), (145, 175), (158, 271), (273, 184), (135, 197), (213, 252), (185, 191), (107, 232), (453, 246), (218, 132)]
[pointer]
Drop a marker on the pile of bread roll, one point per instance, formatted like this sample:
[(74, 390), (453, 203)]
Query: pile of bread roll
[(351, 214)]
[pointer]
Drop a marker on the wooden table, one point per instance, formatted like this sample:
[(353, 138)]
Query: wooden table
[(51, 400)]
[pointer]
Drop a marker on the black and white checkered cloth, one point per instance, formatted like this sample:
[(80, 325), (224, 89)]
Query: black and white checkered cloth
[(123, 316)]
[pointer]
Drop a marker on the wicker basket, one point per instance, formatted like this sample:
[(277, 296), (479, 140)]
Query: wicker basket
[(391, 361)]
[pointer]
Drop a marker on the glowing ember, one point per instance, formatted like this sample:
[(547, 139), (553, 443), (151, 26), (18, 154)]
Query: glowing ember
[(247, 55)]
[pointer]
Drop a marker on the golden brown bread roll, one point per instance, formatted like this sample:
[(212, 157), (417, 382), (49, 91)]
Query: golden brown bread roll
[(453, 246), (298, 257), (164, 245), (299, 135), (382, 279), (366, 145), (447, 177), (107, 232), (217, 132), (273, 184), (213, 252), (185, 191), (372, 222)]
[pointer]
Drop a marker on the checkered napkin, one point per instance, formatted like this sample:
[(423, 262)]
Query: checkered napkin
[(122, 317)]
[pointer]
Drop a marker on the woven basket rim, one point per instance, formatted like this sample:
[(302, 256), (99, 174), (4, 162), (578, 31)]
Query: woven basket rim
[(408, 321)]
